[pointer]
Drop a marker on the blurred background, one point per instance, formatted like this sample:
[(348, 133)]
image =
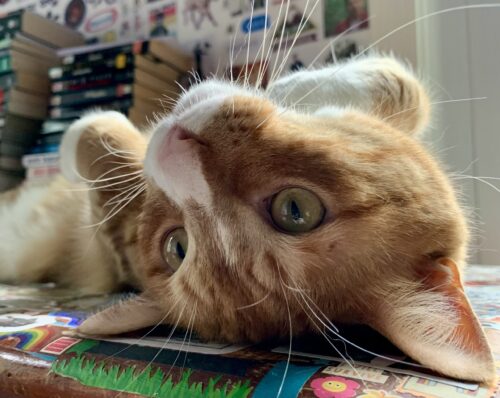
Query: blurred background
[(456, 53)]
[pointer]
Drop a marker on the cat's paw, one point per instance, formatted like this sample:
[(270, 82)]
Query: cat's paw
[(93, 137)]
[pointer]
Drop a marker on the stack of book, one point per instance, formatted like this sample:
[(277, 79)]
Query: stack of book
[(132, 78), (28, 45)]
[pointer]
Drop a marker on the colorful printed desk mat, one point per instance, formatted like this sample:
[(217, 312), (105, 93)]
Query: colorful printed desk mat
[(34, 322)]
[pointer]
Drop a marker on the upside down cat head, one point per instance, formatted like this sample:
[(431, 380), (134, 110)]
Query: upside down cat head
[(268, 212)]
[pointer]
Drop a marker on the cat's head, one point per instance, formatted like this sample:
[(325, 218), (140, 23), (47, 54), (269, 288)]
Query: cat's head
[(265, 212)]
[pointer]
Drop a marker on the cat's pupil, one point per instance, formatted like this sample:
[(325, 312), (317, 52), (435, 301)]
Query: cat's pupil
[(180, 251), (295, 211)]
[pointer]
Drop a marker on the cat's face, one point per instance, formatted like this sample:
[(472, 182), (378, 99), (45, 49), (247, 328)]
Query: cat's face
[(259, 219), (272, 199)]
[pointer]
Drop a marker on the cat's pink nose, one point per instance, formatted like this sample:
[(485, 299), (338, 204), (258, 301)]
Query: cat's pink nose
[(177, 168)]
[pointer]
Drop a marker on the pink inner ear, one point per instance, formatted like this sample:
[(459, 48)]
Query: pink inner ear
[(445, 278)]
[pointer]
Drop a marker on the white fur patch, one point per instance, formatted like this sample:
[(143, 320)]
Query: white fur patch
[(204, 91), (199, 115), (69, 144), (226, 240), (174, 164), (330, 111)]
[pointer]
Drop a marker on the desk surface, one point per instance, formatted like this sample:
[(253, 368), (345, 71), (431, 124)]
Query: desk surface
[(37, 358)]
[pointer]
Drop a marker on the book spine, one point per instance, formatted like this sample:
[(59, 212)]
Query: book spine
[(42, 173), (40, 160), (92, 81), (47, 148), (67, 72), (7, 80), (5, 64), (81, 97), (13, 150), (50, 139), (75, 112), (4, 96), (10, 25), (55, 126), (113, 52), (5, 43)]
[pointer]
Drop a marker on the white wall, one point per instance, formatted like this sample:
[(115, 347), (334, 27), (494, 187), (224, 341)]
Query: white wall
[(459, 52), (388, 16)]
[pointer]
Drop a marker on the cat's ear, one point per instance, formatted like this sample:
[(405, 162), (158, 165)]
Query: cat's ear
[(379, 86), (432, 321), (101, 146), (127, 315)]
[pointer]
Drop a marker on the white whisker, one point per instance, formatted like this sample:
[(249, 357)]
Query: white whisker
[(276, 57), (328, 340), (113, 212), (190, 323), (302, 25), (160, 322), (481, 179), (290, 332), (401, 27), (244, 307), (156, 355), (335, 332), (435, 103), (246, 78), (331, 43)]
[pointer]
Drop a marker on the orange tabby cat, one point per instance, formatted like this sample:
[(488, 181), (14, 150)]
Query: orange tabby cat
[(264, 212)]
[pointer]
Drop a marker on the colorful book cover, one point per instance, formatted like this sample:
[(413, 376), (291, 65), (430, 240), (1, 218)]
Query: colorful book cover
[(92, 81), (40, 159), (72, 71), (37, 338)]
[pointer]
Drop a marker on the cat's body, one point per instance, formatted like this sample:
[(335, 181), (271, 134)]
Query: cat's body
[(46, 235), (261, 213)]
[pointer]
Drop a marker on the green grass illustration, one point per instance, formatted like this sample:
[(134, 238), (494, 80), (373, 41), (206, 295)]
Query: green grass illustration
[(82, 346), (145, 382)]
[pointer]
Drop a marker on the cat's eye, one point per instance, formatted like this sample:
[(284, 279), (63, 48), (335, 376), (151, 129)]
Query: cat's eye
[(296, 210), (175, 247)]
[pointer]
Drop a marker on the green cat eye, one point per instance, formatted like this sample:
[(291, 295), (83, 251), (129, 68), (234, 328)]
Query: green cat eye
[(175, 248), (297, 210)]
